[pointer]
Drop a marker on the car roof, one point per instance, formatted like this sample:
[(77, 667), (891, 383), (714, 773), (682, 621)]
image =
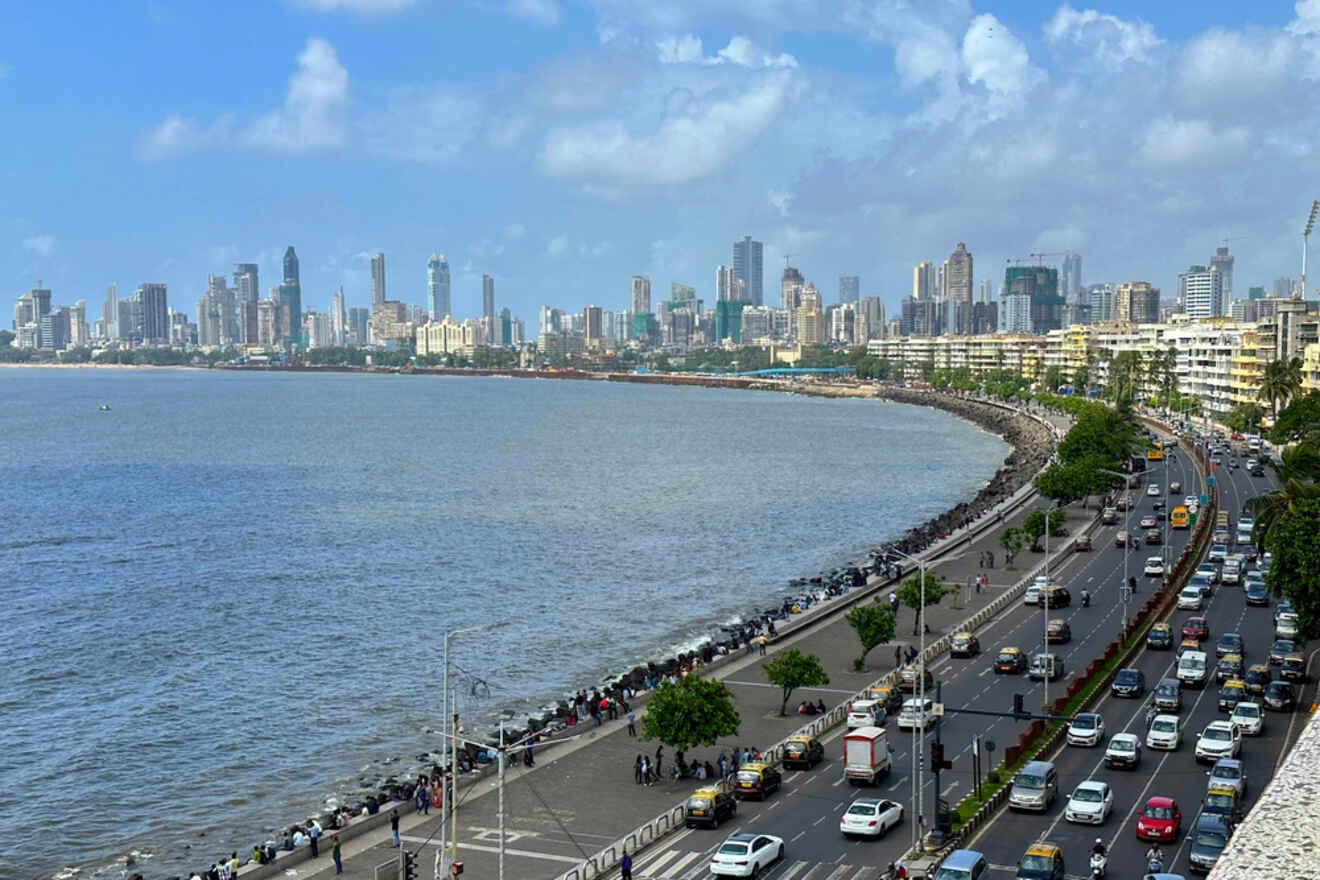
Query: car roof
[(1161, 801), (1092, 783), (742, 837), (706, 792), (1042, 849), (1213, 822), (1010, 650), (1162, 626), (1125, 737), (873, 801), (1219, 725), (1227, 762), (1058, 621), (801, 737), (755, 766)]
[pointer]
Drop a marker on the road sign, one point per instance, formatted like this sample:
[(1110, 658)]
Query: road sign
[(1125, 593), (1204, 497), (937, 710), (1209, 481)]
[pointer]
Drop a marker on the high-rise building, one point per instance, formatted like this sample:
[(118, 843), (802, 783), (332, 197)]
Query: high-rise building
[(290, 298), (641, 295), (1255, 292), (359, 322), (377, 279), (593, 329), (870, 320), (957, 284), (1283, 287), (985, 293), (1222, 262), (748, 258), (338, 319), (1041, 285), (487, 296), (923, 280), (291, 266), (155, 327), (723, 283), (1137, 302), (246, 287), (1103, 300), (850, 288), (110, 312), (1201, 292), (1070, 279), (809, 323), (437, 287), (78, 335)]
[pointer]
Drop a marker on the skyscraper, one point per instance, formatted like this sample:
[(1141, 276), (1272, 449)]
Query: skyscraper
[(593, 330), (723, 284), (110, 312), (155, 313), (289, 295), (923, 280), (850, 288), (338, 319), (1223, 263), (984, 295), (641, 295), (487, 296), (291, 266), (246, 288), (1070, 279), (747, 267), (1136, 302), (377, 279), (958, 275), (437, 287), (1201, 292)]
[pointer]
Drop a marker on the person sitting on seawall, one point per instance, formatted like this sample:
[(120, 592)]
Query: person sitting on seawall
[(802, 708), (820, 707), (299, 839), (258, 855)]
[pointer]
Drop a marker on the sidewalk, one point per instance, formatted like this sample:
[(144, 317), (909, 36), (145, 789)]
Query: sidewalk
[(579, 799)]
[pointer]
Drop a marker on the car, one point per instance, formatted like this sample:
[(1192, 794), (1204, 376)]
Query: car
[(1293, 667), (1229, 667), (1257, 677), (1160, 637), (1196, 628), (1165, 733), (1280, 649), (1249, 553), (1168, 695), (756, 780), (1256, 594), (1159, 507), (1109, 516), (1286, 626), (1154, 537), (1041, 861), (1153, 490), (1082, 543), (1218, 552), (870, 817), (1123, 752), (1232, 573), (1057, 632), (1122, 538), (1010, 661), (1208, 839), (916, 713), (708, 806), (1086, 729), (807, 751), (1283, 606), (1190, 598), (1154, 566), (1188, 645), (1229, 643), (1228, 773), (1219, 739), (1055, 596), (1159, 820), (1191, 501), (1256, 471), (1209, 571), (1090, 804), (1148, 522), (907, 679), (1231, 692), (1245, 521), (1200, 582), (1279, 696), (1033, 594), (746, 855), (865, 713), (886, 695), (1045, 666), (1175, 487), (964, 644), (1221, 801), (963, 864), (1129, 682)]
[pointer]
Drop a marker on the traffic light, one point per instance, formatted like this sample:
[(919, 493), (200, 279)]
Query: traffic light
[(409, 865), (1018, 710), (937, 761)]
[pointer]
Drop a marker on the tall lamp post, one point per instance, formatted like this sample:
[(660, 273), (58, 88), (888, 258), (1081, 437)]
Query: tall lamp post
[(452, 740), (1127, 546), (1306, 237)]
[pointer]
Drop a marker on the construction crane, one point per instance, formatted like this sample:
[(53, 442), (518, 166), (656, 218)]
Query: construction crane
[(788, 257), (1040, 258), (1232, 238)]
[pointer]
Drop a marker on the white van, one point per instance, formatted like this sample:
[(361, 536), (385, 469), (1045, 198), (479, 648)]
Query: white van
[(914, 713), (1192, 669)]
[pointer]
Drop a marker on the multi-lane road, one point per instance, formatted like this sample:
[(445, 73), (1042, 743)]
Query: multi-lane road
[(806, 812)]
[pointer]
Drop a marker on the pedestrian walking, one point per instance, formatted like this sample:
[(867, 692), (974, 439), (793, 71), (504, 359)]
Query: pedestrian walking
[(632, 723), (336, 855), (313, 837), (980, 560), (760, 644), (529, 760), (719, 765), (637, 770), (625, 866), (990, 557), (646, 771), (394, 826), (659, 760), (898, 657)]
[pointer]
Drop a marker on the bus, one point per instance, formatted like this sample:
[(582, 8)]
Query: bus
[(1178, 517), (1155, 455)]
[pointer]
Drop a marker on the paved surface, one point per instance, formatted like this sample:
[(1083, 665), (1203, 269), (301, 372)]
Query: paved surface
[(582, 797), (1171, 774)]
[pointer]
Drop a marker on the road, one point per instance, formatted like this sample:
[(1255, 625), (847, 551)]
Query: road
[(806, 812)]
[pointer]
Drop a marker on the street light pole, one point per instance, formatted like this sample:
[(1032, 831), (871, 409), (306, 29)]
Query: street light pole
[(449, 790), (1306, 238), (1127, 545)]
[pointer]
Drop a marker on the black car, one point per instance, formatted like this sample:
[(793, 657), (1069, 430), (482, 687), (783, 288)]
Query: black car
[(1280, 649), (1257, 594), (1229, 643), (1056, 597), (1258, 471), (1293, 667), (1160, 637), (1129, 683), (1280, 696), (1208, 840), (803, 751), (708, 806)]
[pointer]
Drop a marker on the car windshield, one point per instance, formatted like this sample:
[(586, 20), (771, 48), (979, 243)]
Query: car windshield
[(1084, 722), (749, 776), (1029, 780), (1153, 812), (733, 848), (1164, 726), (1042, 866), (1193, 662), (800, 747), (1167, 690), (1087, 795), (1008, 656), (1212, 839), (1127, 676), (861, 810), (1247, 710), (698, 803), (1227, 771), (1122, 745), (1219, 799), (1217, 733)]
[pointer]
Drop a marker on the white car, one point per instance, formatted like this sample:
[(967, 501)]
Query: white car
[(1154, 566), (1190, 501), (1220, 739), (865, 713), (1164, 733), (1245, 522), (1153, 490), (870, 817), (1190, 598), (1087, 729), (1090, 804), (1286, 626), (1228, 773), (914, 714), (1249, 718), (746, 855), (1124, 751)]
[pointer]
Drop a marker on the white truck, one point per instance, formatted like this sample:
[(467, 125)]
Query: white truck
[(865, 755)]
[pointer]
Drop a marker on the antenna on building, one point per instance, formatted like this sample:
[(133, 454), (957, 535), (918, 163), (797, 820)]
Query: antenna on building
[(788, 257)]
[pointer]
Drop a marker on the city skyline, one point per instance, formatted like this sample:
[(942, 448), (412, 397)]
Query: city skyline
[(596, 113)]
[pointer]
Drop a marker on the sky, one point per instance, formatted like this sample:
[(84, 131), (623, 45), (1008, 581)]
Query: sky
[(563, 146)]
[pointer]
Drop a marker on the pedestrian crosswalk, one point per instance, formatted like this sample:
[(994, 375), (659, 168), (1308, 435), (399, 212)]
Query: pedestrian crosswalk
[(677, 864)]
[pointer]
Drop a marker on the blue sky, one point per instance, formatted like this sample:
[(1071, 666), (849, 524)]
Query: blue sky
[(564, 145)]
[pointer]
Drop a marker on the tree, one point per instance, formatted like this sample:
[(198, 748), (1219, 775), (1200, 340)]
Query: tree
[(1281, 382), (1054, 379), (1245, 417), (692, 711), (1295, 543), (1011, 540), (1297, 477), (1065, 483), (1056, 520), (6, 338), (1162, 374), (874, 625), (1034, 528), (1299, 419), (910, 594), (793, 669)]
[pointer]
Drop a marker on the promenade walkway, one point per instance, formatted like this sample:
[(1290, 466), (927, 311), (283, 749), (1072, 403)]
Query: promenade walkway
[(581, 795)]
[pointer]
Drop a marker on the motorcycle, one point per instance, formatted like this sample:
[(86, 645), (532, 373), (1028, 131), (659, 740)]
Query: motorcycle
[(1155, 866), (1099, 861), (1086, 599)]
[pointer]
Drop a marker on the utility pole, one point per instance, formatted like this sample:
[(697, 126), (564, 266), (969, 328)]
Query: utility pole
[(501, 804)]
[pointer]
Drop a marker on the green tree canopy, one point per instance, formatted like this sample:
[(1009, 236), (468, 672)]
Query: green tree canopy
[(1295, 542), (1245, 417), (1033, 526), (692, 711), (6, 338), (1281, 382), (1011, 540), (1070, 482), (874, 625), (793, 669), (909, 593), (1297, 420)]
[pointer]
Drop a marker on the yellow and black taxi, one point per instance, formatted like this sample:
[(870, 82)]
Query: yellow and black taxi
[(1231, 693), (1057, 632), (1293, 667), (1188, 645), (886, 696), (708, 807), (756, 780), (1056, 597), (964, 644), (1225, 801), (1257, 679), (802, 751), (1160, 637), (1010, 661), (1041, 861), (1229, 666)]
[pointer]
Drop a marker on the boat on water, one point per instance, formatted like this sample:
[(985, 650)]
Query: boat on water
[(105, 407)]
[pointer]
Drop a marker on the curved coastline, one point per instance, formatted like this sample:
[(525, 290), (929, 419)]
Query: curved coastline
[(1030, 447)]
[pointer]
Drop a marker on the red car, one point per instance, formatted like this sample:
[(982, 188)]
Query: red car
[(1196, 628), (1160, 819)]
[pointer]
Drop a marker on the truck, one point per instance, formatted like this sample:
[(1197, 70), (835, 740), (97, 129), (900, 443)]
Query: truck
[(865, 755)]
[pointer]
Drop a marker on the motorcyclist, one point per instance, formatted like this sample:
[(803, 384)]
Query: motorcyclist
[(1132, 583), (1099, 848), (1086, 598), (1154, 861)]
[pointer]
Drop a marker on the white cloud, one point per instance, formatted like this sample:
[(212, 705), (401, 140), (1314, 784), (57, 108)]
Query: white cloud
[(433, 124), (740, 51), (1307, 22), (998, 60), (684, 49), (556, 246), (781, 201), (364, 6), (177, 135), (542, 12), (1111, 39), (1222, 66), (41, 245), (682, 148), (1177, 143)]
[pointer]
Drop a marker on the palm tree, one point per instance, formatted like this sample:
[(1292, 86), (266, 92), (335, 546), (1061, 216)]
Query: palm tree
[(1161, 373), (1280, 382), (1297, 480)]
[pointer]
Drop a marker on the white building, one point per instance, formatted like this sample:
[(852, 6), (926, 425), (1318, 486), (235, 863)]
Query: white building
[(1201, 292)]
